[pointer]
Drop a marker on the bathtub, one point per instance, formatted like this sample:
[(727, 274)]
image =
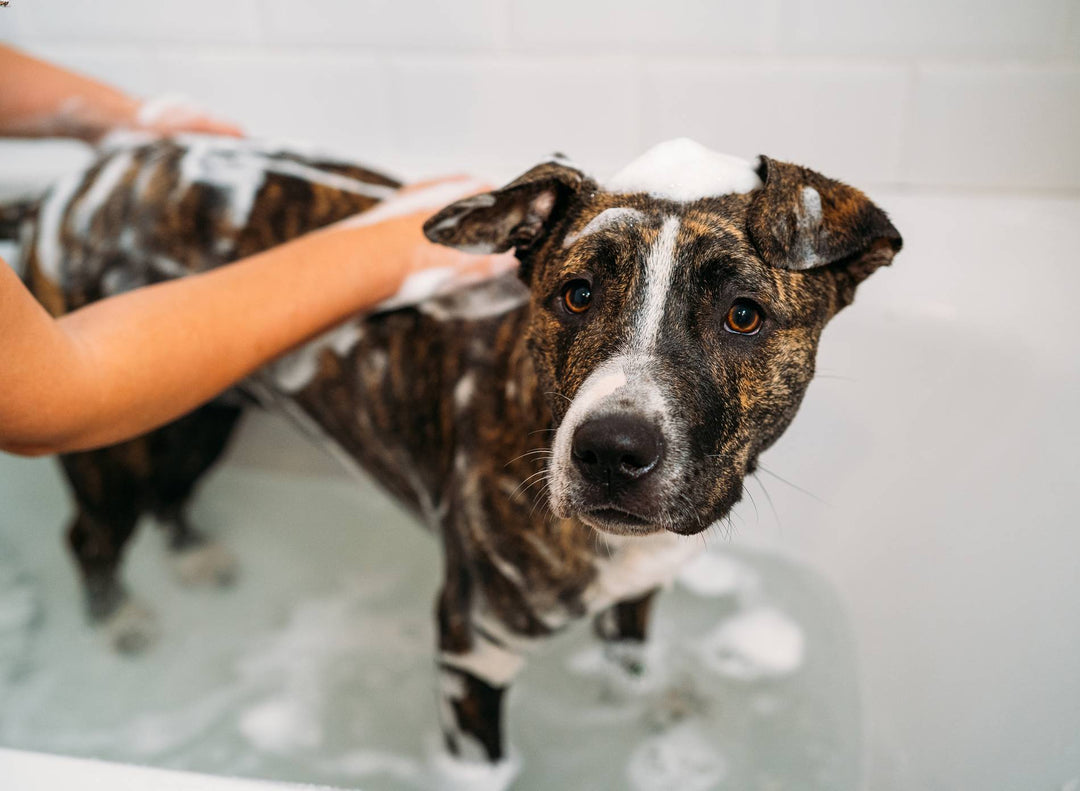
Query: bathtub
[(895, 606)]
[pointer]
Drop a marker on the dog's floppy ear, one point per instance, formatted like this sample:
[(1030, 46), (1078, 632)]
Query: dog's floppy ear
[(517, 215), (801, 220)]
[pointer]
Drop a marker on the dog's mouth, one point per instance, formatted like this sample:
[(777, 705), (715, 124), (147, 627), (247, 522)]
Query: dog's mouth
[(618, 522)]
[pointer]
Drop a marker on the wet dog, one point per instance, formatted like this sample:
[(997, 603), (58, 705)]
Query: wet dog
[(564, 432)]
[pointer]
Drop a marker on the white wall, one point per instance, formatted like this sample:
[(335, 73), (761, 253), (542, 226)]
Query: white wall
[(929, 93)]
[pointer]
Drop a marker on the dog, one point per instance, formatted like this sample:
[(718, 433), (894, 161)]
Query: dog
[(658, 336)]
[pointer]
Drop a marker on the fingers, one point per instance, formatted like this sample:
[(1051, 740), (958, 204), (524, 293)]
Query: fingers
[(165, 115), (207, 125), (418, 201)]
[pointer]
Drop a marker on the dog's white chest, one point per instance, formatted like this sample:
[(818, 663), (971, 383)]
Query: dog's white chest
[(639, 565)]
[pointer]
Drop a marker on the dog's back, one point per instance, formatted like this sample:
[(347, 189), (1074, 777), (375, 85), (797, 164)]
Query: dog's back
[(143, 213)]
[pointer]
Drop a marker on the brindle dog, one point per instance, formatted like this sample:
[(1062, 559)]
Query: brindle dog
[(660, 335)]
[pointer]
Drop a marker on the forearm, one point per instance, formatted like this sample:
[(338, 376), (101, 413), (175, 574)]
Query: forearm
[(38, 99), (127, 364)]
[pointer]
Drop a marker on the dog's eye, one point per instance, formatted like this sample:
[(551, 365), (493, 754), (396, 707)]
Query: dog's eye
[(577, 296), (743, 318)]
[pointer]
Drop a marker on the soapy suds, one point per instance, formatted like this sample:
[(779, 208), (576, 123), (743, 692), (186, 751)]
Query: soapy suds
[(50, 226), (682, 170), (714, 575), (617, 215), (760, 643), (680, 759), (430, 198), (104, 183), (295, 370)]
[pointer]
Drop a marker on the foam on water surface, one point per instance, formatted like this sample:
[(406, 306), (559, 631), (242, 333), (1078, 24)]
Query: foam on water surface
[(759, 643), (317, 666)]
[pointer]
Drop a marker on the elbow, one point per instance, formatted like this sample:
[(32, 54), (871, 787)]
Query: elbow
[(31, 449), (42, 443)]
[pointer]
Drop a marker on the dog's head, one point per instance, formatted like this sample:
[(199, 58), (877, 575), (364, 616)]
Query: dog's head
[(675, 316)]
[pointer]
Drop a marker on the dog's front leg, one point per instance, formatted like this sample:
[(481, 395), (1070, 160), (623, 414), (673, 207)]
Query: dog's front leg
[(624, 628), (475, 670)]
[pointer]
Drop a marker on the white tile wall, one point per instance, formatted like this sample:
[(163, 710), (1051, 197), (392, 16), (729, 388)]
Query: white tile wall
[(646, 28), (927, 93), (843, 119), (131, 21), (1008, 127), (990, 29), (415, 24), (505, 116)]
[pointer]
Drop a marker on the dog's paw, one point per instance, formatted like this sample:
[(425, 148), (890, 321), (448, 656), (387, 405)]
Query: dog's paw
[(131, 629), (205, 564), (451, 773)]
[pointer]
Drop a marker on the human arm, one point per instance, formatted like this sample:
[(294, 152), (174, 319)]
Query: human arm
[(127, 364), (39, 99)]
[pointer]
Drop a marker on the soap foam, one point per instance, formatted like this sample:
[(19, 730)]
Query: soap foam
[(682, 170)]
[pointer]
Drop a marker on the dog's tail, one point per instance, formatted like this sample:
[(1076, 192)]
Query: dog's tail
[(14, 215)]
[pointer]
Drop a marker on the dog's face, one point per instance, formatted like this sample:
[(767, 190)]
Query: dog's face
[(675, 318)]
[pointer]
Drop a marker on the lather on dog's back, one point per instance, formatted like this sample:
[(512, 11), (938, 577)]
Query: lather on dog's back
[(561, 432)]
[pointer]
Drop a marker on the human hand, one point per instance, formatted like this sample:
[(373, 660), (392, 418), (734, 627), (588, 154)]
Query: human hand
[(93, 119), (425, 269), (166, 115)]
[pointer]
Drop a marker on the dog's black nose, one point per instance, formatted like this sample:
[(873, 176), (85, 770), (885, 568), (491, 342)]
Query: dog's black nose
[(616, 449)]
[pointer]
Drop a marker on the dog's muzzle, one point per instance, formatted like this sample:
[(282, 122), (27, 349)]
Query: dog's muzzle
[(614, 452)]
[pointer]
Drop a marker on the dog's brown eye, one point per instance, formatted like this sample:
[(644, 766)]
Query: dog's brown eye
[(577, 296), (743, 318)]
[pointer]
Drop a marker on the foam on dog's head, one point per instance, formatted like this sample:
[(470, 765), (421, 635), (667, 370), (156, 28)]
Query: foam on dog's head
[(682, 170)]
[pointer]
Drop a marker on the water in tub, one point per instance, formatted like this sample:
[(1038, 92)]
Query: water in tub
[(317, 665)]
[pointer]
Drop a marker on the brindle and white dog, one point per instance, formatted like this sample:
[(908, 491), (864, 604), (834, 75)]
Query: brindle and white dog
[(660, 335)]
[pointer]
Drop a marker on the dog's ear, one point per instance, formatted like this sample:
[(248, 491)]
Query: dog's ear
[(801, 220), (518, 215)]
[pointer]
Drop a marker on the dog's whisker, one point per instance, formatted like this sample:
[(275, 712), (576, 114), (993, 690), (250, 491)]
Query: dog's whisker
[(768, 497), (836, 377), (753, 502), (560, 395), (797, 488), (535, 452), (523, 487)]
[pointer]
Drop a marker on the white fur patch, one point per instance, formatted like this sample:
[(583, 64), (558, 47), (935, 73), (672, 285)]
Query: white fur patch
[(682, 170), (617, 215), (808, 217), (487, 661), (659, 272), (638, 565)]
